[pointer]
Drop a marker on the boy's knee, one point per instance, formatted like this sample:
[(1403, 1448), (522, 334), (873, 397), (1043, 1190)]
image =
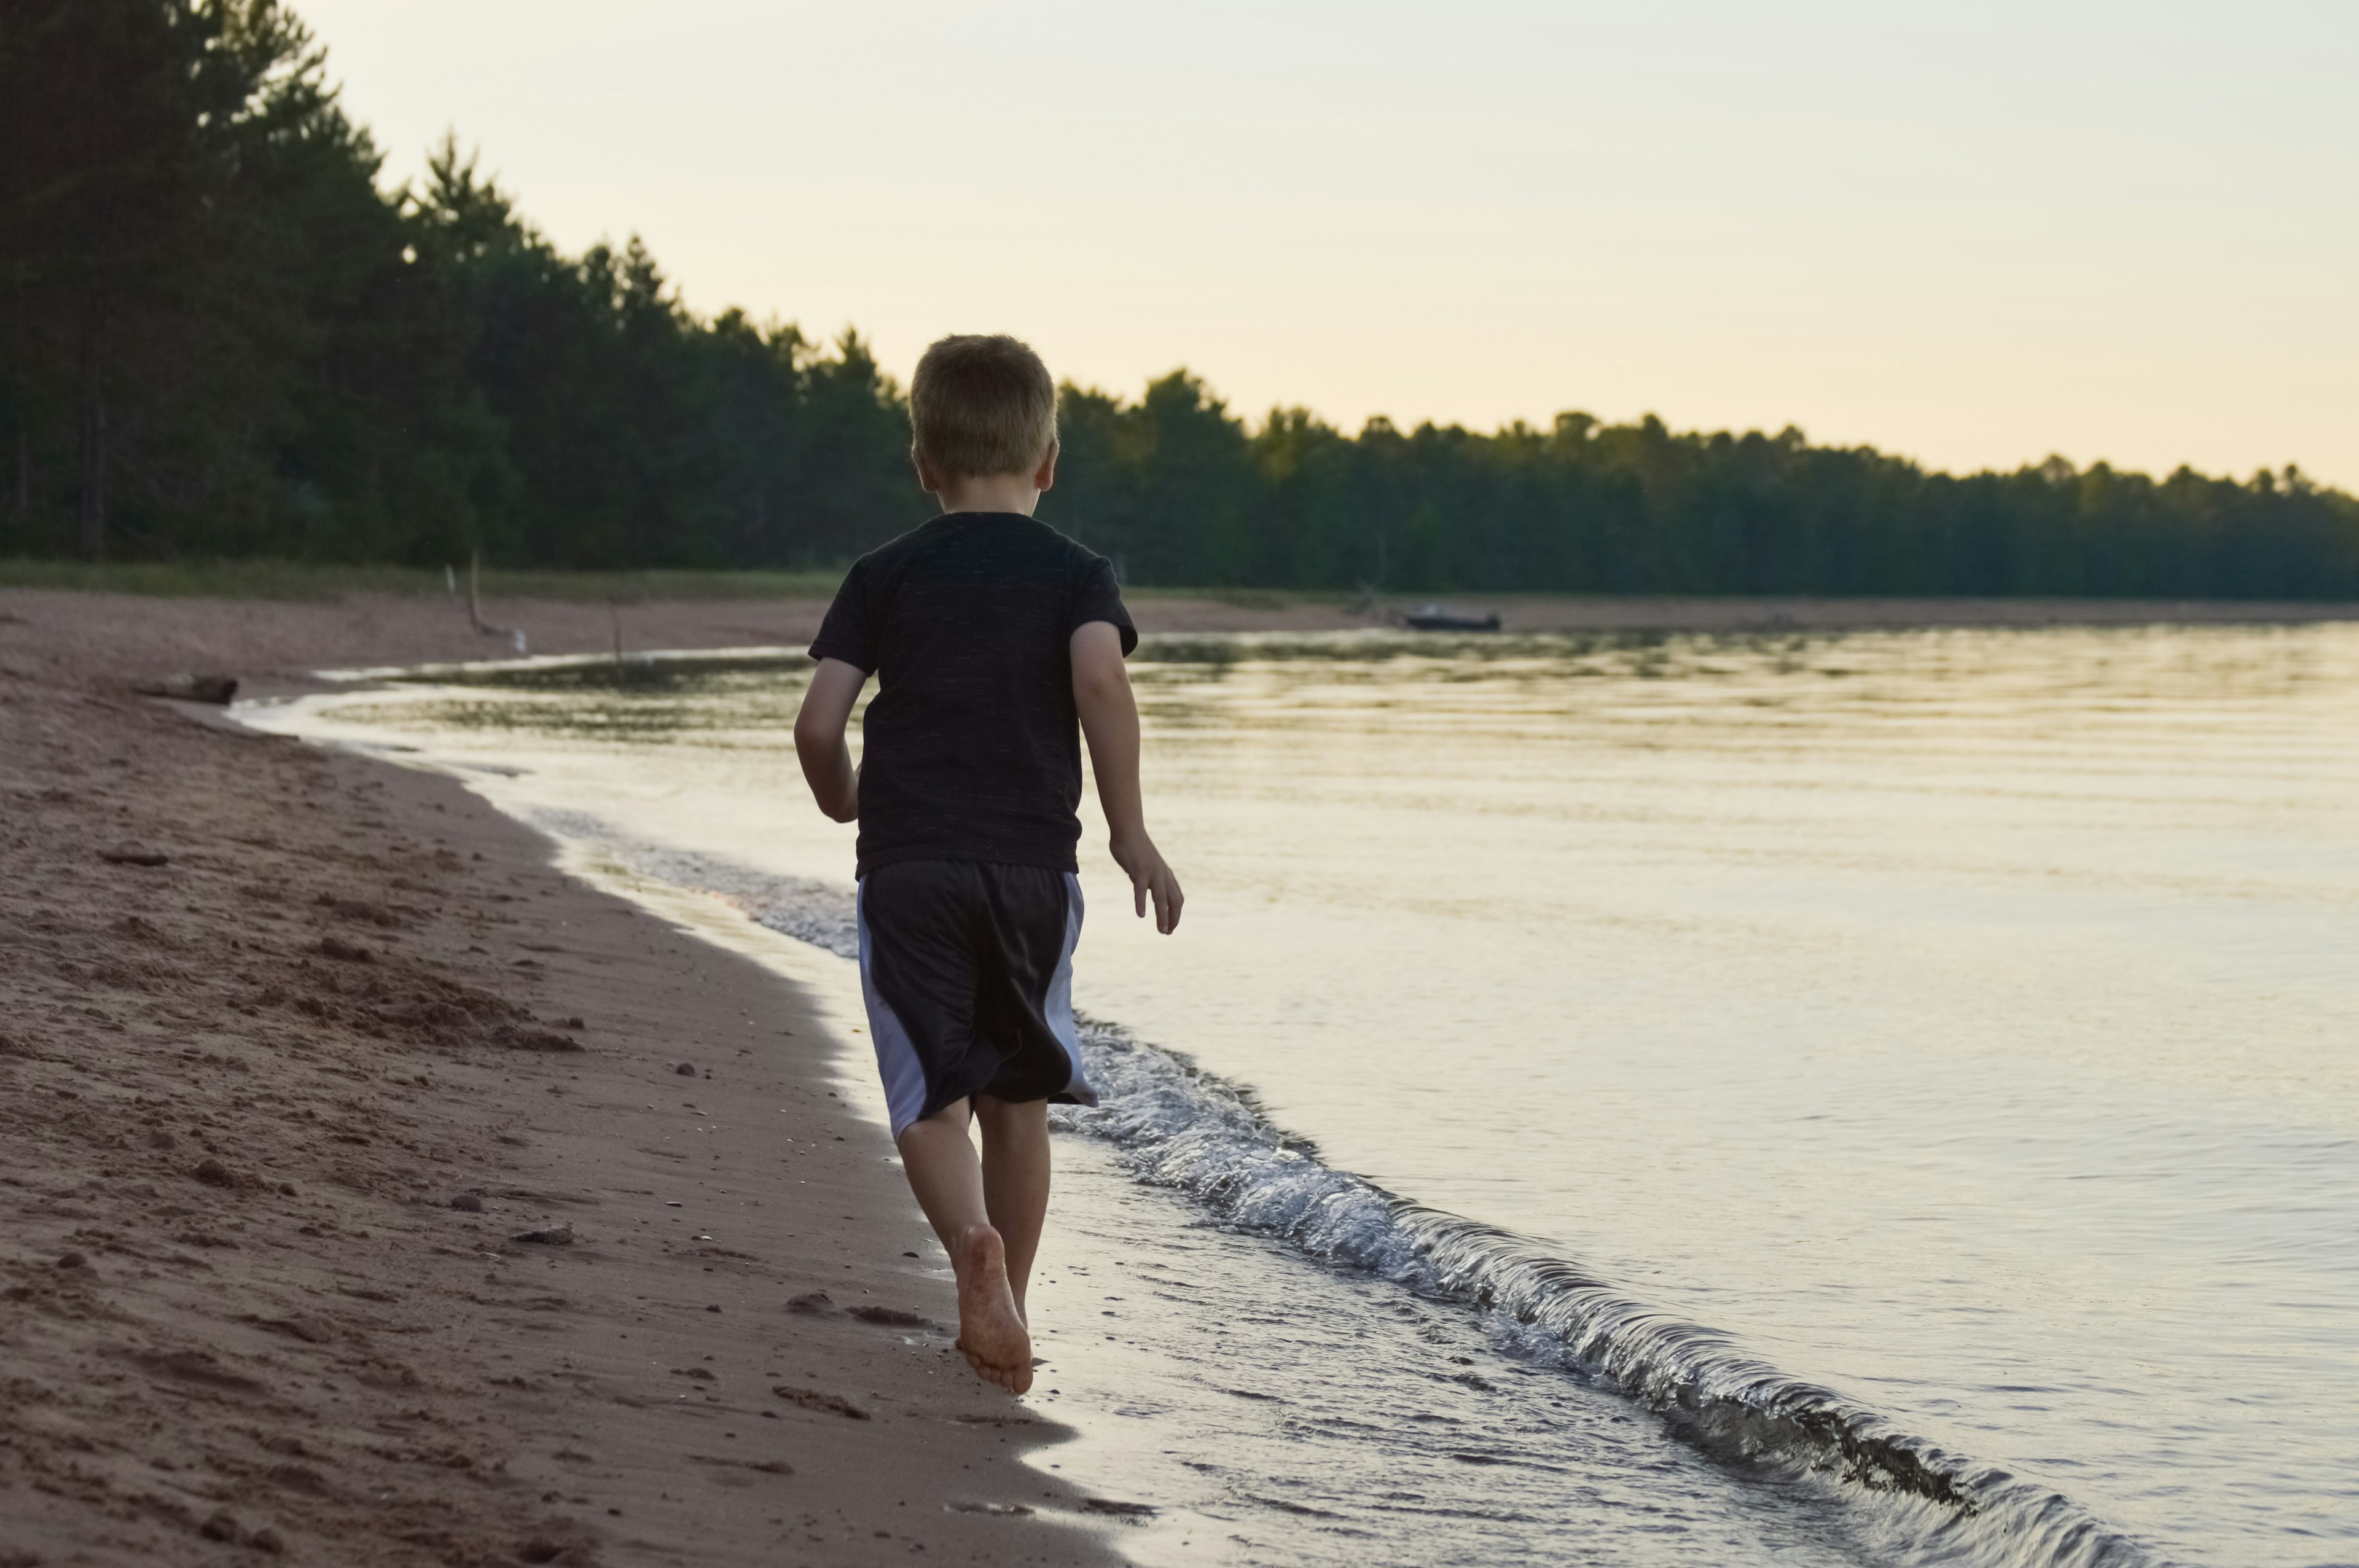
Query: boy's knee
[(952, 1116)]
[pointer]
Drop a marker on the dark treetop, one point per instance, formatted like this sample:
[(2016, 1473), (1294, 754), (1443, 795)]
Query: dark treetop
[(220, 337)]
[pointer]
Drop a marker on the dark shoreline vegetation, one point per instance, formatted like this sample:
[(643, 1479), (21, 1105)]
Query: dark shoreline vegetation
[(224, 341)]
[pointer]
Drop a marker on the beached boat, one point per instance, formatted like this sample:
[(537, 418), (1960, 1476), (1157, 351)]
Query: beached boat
[(1434, 618)]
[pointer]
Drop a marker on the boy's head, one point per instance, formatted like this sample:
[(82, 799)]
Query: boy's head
[(980, 406)]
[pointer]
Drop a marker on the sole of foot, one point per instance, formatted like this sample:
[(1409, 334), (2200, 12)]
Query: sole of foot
[(991, 1331)]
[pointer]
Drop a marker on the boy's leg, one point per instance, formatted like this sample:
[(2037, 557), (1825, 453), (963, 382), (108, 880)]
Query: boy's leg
[(1015, 1179), (947, 1179)]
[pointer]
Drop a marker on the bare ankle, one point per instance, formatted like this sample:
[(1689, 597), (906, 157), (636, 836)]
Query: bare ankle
[(977, 1244)]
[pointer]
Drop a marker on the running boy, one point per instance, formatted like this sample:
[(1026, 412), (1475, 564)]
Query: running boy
[(990, 634)]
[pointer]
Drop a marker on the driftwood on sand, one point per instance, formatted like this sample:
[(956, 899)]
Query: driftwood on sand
[(214, 688)]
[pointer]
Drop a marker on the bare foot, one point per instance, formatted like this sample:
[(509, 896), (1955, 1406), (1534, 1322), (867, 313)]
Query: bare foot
[(991, 1331)]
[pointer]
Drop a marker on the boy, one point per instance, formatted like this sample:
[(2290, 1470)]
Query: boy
[(990, 635)]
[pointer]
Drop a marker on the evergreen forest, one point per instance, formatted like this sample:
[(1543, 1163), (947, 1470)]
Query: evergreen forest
[(223, 337)]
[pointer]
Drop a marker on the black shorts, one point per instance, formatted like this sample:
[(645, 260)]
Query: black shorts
[(968, 971)]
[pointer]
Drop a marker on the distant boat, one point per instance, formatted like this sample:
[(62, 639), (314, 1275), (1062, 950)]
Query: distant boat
[(1434, 618)]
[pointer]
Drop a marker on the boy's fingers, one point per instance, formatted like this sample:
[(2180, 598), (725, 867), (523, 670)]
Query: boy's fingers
[(1138, 894)]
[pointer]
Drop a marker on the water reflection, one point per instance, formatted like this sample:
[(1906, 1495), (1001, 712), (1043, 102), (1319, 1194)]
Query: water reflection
[(1966, 1020)]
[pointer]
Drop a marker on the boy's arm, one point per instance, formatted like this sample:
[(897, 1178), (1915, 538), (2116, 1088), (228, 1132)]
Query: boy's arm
[(819, 738), (1110, 720)]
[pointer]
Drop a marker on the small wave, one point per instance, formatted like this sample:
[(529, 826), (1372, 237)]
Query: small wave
[(1180, 1127), (1176, 1126)]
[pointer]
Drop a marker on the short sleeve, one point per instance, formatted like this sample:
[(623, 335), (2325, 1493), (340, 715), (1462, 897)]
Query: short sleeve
[(1100, 599), (849, 632)]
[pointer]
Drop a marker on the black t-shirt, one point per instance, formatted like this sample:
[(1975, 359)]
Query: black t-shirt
[(972, 747)]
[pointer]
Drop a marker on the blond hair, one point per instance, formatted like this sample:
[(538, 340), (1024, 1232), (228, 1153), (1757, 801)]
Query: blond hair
[(981, 404)]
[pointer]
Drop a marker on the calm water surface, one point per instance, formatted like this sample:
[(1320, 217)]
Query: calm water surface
[(1963, 1025)]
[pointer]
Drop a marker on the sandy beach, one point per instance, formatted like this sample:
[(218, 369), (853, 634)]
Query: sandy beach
[(376, 1194), (379, 1194)]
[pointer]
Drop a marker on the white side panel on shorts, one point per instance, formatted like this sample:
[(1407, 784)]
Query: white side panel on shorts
[(897, 1059), (1058, 1007)]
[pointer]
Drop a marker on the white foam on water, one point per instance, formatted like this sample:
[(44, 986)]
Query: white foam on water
[(1175, 1127)]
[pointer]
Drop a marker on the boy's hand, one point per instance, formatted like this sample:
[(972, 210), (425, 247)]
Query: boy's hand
[(1150, 878)]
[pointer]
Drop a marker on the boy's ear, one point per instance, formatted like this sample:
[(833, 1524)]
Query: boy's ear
[(928, 480), (1045, 477)]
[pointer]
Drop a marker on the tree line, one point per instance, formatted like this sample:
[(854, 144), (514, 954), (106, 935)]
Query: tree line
[(225, 338)]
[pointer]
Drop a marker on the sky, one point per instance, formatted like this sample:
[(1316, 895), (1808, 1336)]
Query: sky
[(1972, 234)]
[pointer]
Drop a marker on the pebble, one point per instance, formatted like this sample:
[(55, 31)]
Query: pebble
[(686, 1069), (467, 1203)]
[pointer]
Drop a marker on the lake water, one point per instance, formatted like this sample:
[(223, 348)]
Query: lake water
[(1875, 1097)]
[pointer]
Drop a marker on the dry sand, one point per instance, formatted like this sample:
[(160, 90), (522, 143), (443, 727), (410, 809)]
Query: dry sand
[(241, 1089)]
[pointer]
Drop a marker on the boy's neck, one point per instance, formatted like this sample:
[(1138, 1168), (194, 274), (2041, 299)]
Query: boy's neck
[(990, 492)]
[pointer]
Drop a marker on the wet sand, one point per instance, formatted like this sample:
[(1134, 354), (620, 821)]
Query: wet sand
[(280, 1109), (357, 1210)]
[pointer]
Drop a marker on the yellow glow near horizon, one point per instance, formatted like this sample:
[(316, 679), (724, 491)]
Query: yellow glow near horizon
[(2099, 228)]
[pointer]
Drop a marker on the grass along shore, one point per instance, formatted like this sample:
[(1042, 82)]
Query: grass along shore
[(309, 580), (267, 579)]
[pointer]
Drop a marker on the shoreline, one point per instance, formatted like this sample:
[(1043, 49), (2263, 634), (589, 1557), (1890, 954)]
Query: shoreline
[(242, 1085), (273, 645), (306, 1344)]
